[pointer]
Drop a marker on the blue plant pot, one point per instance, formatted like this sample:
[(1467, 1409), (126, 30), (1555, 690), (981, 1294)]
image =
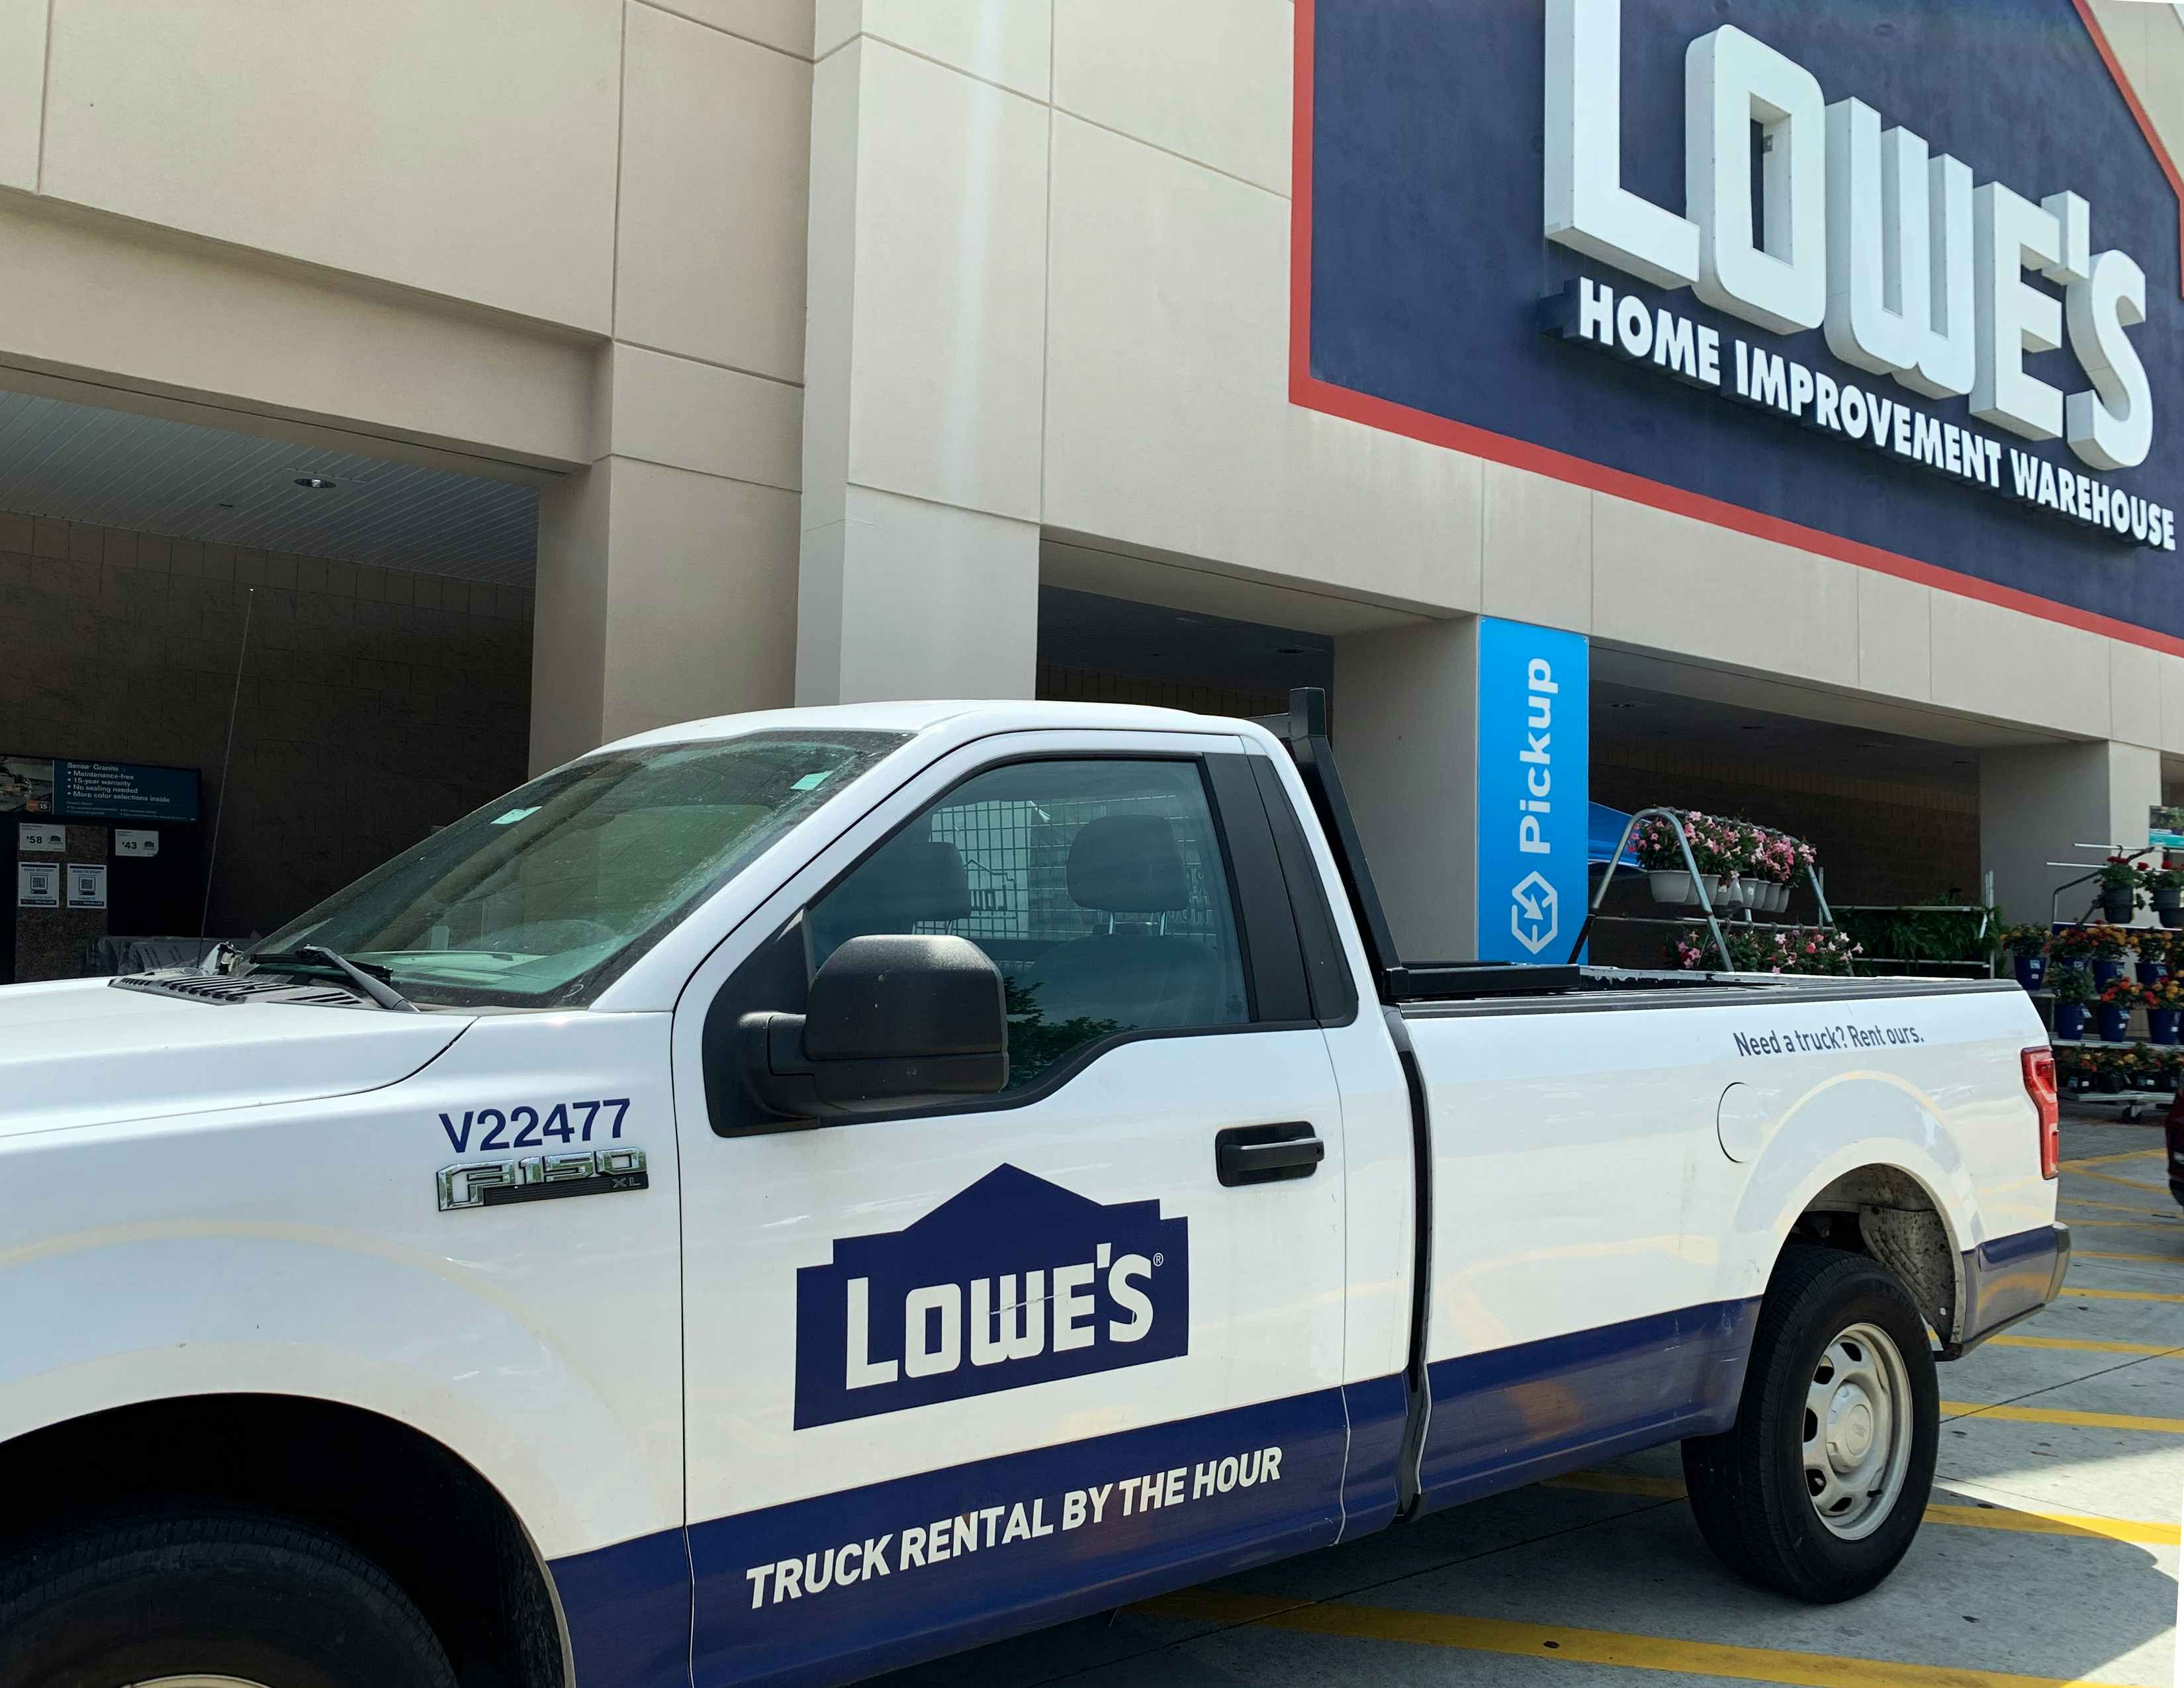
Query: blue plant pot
[(2153, 973), (2106, 973), (2070, 1021), (2161, 1024), (2031, 971), (2116, 1024)]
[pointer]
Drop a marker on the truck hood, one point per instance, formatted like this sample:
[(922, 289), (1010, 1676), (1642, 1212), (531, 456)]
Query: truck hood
[(81, 1052)]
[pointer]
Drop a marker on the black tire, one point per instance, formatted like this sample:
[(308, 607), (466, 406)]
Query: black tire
[(1748, 1486), (224, 1594)]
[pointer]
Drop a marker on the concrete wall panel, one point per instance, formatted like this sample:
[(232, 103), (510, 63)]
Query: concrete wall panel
[(1209, 81), (22, 90), (783, 24), (700, 598), (1673, 583), (1168, 423), (1007, 41), (710, 250), (949, 288), (466, 149)]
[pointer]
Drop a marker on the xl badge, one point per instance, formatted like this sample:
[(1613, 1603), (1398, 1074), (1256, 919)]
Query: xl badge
[(1016, 1281), (540, 1178)]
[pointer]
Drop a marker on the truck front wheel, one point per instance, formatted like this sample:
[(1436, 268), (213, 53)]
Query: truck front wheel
[(226, 1597), (1819, 1488)]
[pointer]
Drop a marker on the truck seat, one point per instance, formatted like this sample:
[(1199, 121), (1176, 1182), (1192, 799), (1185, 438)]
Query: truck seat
[(1130, 866)]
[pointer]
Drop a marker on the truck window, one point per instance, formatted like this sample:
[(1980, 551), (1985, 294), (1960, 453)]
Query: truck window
[(1097, 886), (543, 897)]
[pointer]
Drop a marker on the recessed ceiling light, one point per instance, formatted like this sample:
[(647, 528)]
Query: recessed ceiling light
[(1629, 703), (317, 483), (1750, 726), (1292, 650), (1871, 745), (224, 504)]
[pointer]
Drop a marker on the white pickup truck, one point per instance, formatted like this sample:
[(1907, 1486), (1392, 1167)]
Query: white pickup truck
[(794, 1195)]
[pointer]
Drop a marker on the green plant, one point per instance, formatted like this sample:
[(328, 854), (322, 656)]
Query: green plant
[(2125, 993), (2168, 994), (1943, 930), (2162, 878), (2073, 986), (2025, 940), (2119, 873)]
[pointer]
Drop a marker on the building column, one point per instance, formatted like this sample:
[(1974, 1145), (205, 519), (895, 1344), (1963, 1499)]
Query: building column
[(1404, 726), (924, 374), (2044, 803), (666, 584)]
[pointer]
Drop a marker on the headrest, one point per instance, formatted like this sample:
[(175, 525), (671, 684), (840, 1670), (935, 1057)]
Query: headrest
[(910, 878), (1127, 864)]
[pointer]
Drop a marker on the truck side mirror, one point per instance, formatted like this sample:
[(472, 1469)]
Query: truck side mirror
[(890, 1021)]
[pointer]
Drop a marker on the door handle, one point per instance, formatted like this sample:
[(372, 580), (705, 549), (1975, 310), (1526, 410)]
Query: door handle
[(1266, 1154)]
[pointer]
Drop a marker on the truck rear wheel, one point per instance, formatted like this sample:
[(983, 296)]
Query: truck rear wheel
[(1819, 1488), (229, 1598)]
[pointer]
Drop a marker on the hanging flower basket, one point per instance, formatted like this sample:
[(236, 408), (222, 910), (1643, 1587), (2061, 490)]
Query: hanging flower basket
[(1671, 886)]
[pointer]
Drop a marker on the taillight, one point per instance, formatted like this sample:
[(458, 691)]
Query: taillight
[(2039, 1065)]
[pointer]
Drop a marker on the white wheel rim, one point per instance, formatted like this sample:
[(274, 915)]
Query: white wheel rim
[(1857, 1432), (198, 1681)]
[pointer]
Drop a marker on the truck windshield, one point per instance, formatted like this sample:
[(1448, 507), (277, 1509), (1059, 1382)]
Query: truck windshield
[(542, 898)]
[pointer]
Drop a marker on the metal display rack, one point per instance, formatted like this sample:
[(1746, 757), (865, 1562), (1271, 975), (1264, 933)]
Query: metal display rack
[(1980, 969), (1709, 916)]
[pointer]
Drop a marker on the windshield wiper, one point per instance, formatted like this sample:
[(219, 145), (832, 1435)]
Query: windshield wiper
[(318, 956)]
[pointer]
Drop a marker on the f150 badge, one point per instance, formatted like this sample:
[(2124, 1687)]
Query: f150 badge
[(540, 1178), (1016, 1281)]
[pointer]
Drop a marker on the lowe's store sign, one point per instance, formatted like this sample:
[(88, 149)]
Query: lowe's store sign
[(1899, 283)]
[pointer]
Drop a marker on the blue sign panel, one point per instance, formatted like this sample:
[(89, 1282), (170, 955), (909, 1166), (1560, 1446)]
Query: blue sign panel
[(124, 791), (1534, 741), (1439, 139), (1015, 1281)]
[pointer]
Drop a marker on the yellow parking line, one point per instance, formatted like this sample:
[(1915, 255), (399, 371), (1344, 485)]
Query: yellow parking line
[(2114, 1224), (2080, 1165), (2152, 1189), (2146, 1259), (2026, 1519), (2082, 1345), (2173, 1217), (2058, 1415), (1583, 1646), (2036, 1521), (2070, 1290)]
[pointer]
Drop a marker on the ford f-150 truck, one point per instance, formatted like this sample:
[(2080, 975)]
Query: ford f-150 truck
[(789, 1195)]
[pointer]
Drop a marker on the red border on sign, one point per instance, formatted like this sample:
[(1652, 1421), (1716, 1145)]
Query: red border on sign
[(1314, 394)]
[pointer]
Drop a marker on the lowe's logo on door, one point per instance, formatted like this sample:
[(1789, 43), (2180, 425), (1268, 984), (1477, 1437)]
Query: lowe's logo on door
[(1016, 1281), (1534, 745)]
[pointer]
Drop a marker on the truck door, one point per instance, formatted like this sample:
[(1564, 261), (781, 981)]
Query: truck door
[(956, 1372)]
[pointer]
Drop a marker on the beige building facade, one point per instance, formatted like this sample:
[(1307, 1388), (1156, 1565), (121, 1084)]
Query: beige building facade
[(866, 348)]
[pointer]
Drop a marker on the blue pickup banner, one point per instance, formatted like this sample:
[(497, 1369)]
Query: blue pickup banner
[(1535, 742)]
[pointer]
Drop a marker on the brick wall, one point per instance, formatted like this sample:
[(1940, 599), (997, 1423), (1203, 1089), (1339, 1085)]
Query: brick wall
[(375, 703)]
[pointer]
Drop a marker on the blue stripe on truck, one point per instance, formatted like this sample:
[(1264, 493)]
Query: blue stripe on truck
[(1515, 1415), (2005, 1277)]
